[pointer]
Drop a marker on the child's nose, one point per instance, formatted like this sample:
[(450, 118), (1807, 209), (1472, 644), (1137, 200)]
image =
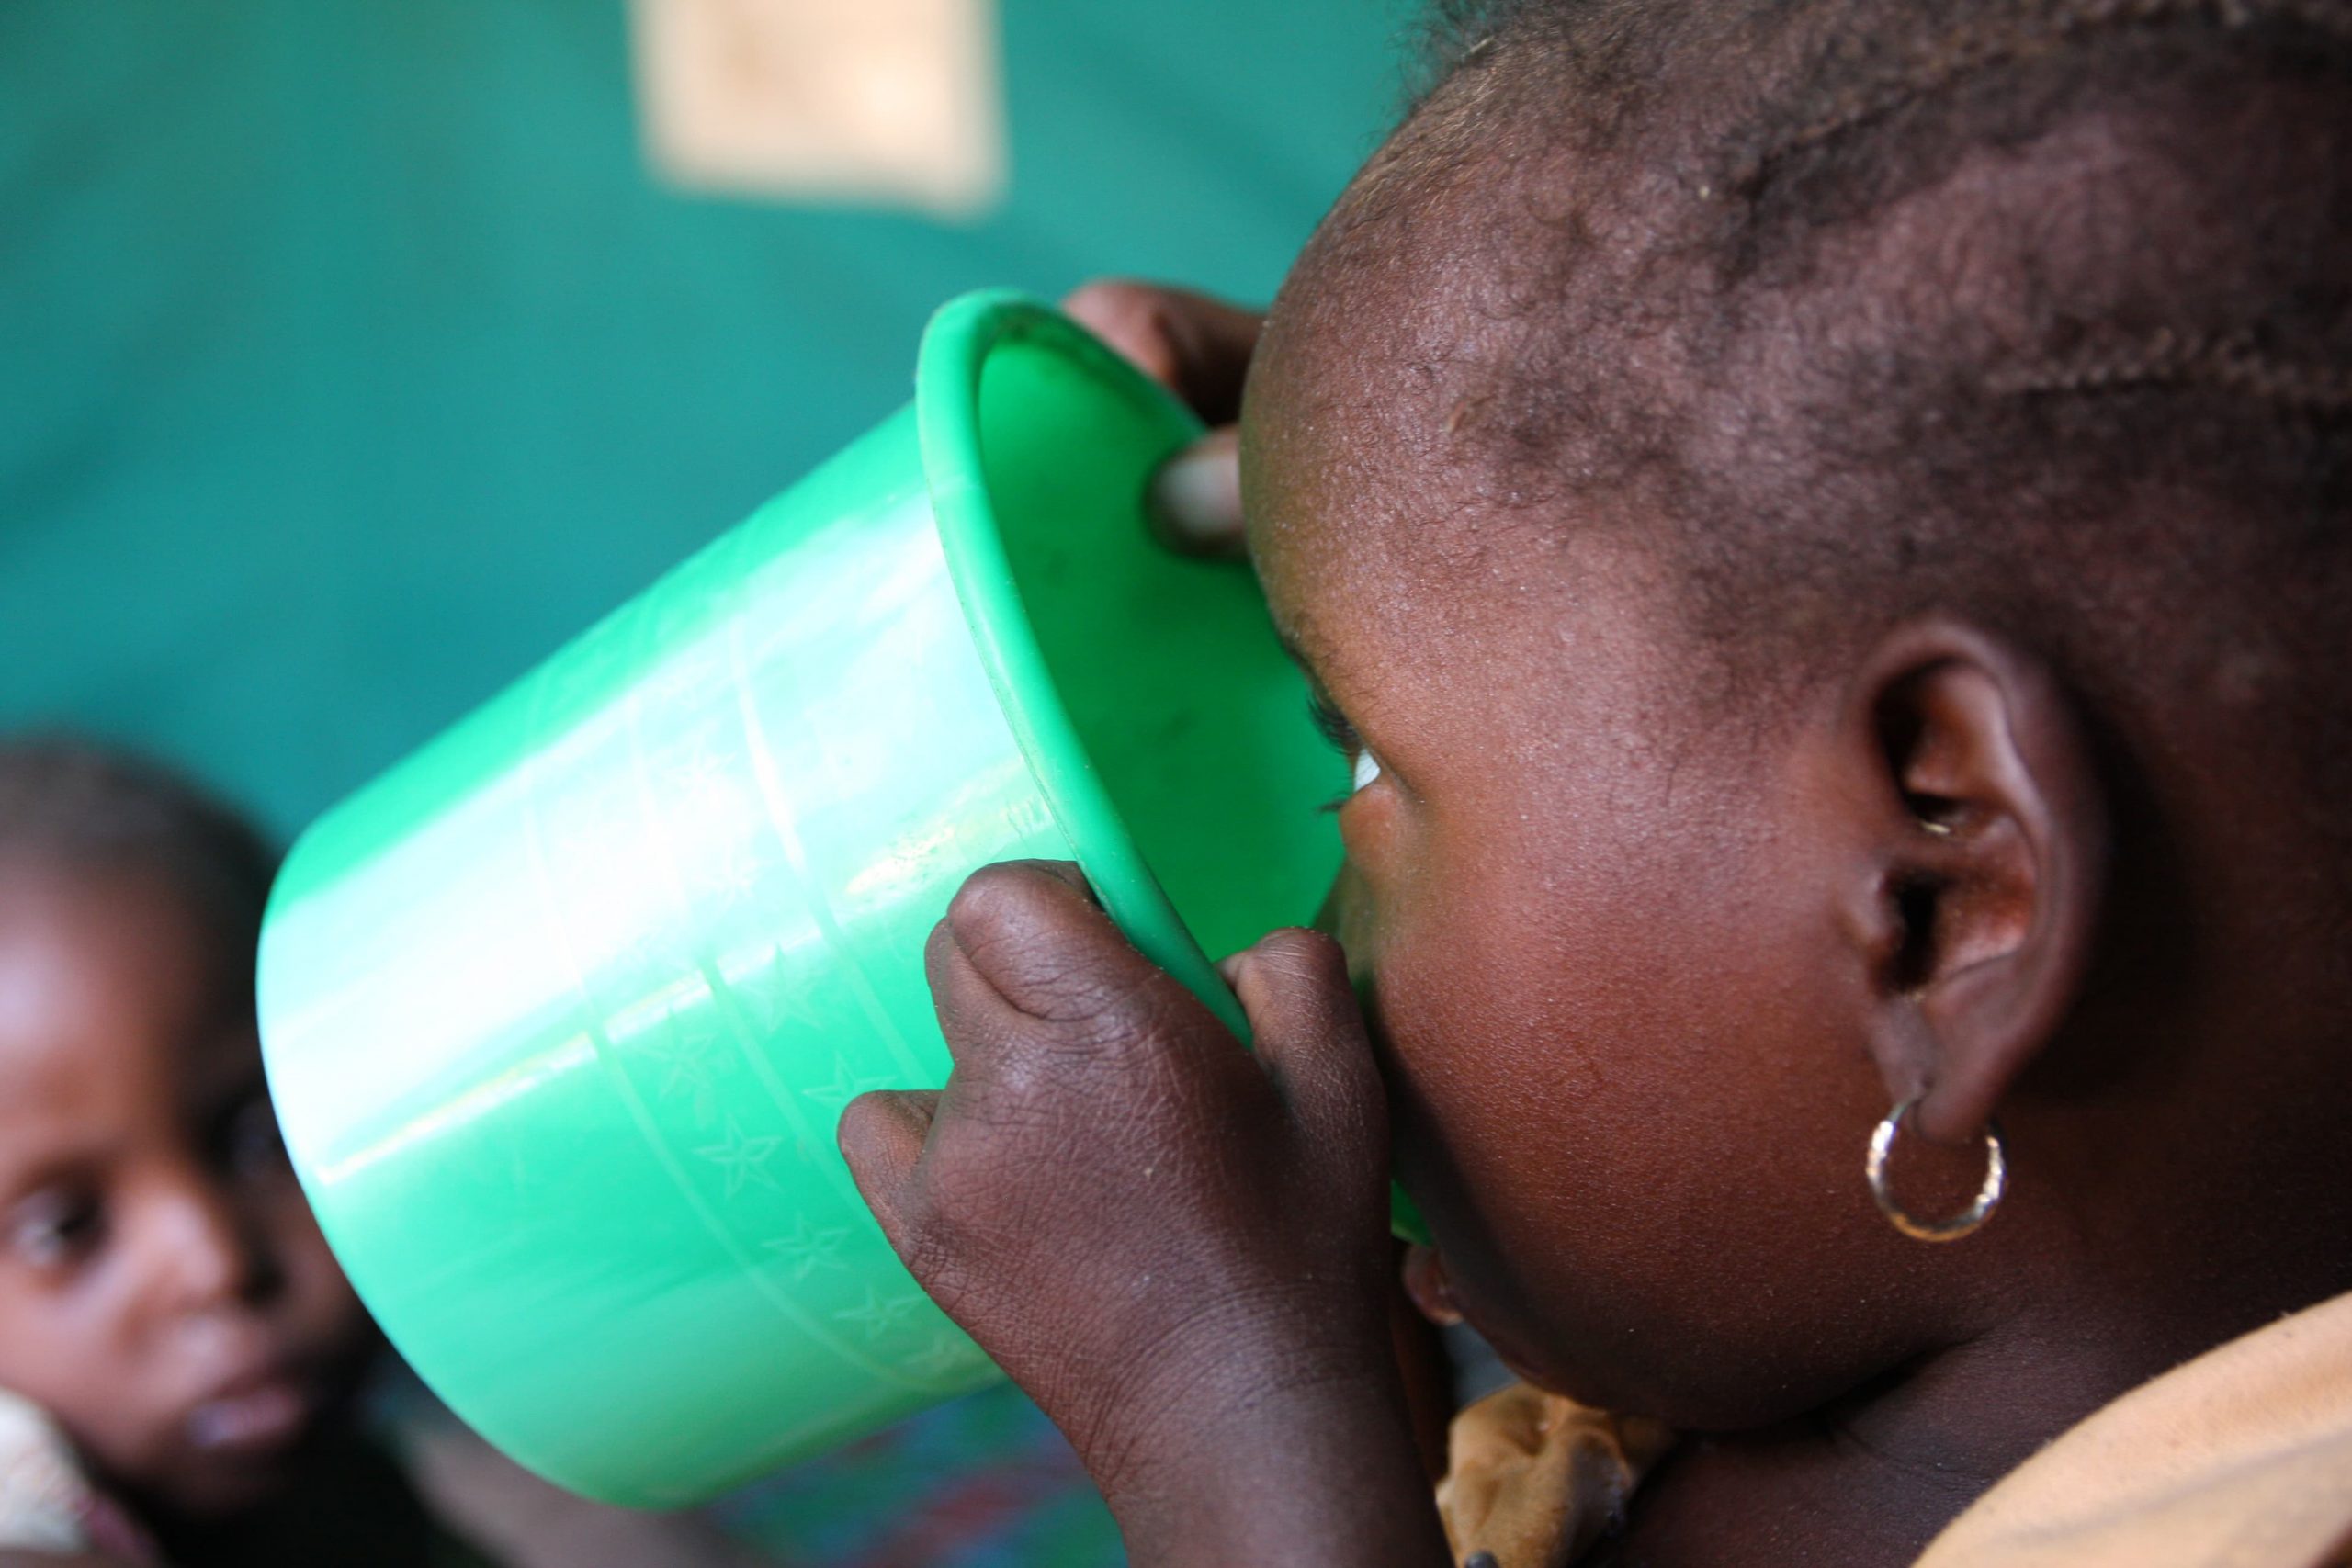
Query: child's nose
[(211, 1252)]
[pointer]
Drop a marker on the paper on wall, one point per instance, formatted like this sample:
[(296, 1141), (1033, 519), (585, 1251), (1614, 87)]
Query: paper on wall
[(874, 102)]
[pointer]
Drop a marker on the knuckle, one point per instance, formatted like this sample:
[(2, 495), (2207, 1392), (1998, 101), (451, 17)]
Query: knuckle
[(1094, 1009), (1146, 1020), (979, 1142), (1123, 302), (1135, 319), (980, 1201), (930, 1254), (927, 1247), (1296, 954), (1095, 1036)]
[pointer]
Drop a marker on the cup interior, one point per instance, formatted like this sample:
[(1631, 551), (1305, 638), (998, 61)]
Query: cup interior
[(1150, 691)]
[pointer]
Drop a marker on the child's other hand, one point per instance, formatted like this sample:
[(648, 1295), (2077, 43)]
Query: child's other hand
[(1199, 348), (1178, 1248)]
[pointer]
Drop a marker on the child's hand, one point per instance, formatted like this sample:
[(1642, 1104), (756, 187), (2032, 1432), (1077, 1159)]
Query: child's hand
[(1199, 348), (1178, 1248)]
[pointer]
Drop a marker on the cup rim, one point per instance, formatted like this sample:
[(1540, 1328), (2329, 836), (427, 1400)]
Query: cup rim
[(956, 344)]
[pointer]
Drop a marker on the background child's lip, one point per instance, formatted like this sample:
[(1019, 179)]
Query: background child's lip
[(253, 1414)]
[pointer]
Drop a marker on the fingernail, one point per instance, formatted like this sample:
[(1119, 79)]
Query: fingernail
[(1196, 498)]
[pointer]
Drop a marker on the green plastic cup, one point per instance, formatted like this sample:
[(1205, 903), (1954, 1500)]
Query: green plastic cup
[(562, 1013)]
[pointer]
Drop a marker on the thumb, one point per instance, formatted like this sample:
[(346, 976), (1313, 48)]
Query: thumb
[(882, 1136), (1194, 503), (1310, 1039)]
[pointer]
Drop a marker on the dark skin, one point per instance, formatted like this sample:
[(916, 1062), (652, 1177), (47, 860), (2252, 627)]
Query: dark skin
[(1642, 975), (1936, 872), (165, 1293)]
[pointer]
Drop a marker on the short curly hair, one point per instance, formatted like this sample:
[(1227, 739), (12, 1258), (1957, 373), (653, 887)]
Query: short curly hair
[(84, 802)]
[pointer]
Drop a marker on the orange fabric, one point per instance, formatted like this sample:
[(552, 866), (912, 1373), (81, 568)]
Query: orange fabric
[(1532, 1479), (2240, 1459)]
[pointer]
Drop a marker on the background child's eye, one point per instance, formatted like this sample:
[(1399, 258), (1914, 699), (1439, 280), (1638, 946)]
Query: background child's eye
[(1368, 767), (251, 1144), (54, 1228)]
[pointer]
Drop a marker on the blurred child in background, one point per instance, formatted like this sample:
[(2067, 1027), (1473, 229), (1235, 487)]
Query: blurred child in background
[(186, 1377), (179, 1353)]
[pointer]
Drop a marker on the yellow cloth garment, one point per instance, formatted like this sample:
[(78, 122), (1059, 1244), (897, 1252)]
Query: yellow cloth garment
[(2239, 1459)]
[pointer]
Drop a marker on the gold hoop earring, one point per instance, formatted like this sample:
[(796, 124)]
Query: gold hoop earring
[(1988, 1196)]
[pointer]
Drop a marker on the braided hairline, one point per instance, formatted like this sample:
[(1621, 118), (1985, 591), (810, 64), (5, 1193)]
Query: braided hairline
[(2231, 363), (1954, 60)]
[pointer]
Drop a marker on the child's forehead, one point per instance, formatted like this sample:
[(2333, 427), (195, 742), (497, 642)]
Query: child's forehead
[(1377, 388), (1457, 258), (110, 989)]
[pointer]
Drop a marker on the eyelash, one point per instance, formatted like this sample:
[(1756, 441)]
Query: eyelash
[(247, 1141), (1334, 725), (56, 1230), (1344, 739)]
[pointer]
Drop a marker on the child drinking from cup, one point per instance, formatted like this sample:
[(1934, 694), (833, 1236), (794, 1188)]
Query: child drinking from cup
[(1826, 531)]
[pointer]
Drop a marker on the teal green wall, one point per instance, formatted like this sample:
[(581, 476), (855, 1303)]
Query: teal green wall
[(350, 360)]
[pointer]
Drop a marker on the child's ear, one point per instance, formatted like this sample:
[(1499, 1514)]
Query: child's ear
[(1986, 858)]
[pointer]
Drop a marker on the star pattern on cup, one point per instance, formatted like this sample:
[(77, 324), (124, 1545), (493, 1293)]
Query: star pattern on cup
[(693, 767), (774, 994), (699, 783), (843, 1086), (685, 1062), (727, 877), (581, 839), (651, 943), (682, 1052), (743, 1158), (877, 1315), (1028, 815), (810, 1247)]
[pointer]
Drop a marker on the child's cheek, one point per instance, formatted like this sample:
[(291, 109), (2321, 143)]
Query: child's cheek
[(1369, 823), (329, 1317), (1365, 891), (1387, 892)]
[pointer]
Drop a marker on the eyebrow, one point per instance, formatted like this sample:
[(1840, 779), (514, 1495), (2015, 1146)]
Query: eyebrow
[(1302, 656), (1291, 646), (21, 1177), (1318, 688)]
